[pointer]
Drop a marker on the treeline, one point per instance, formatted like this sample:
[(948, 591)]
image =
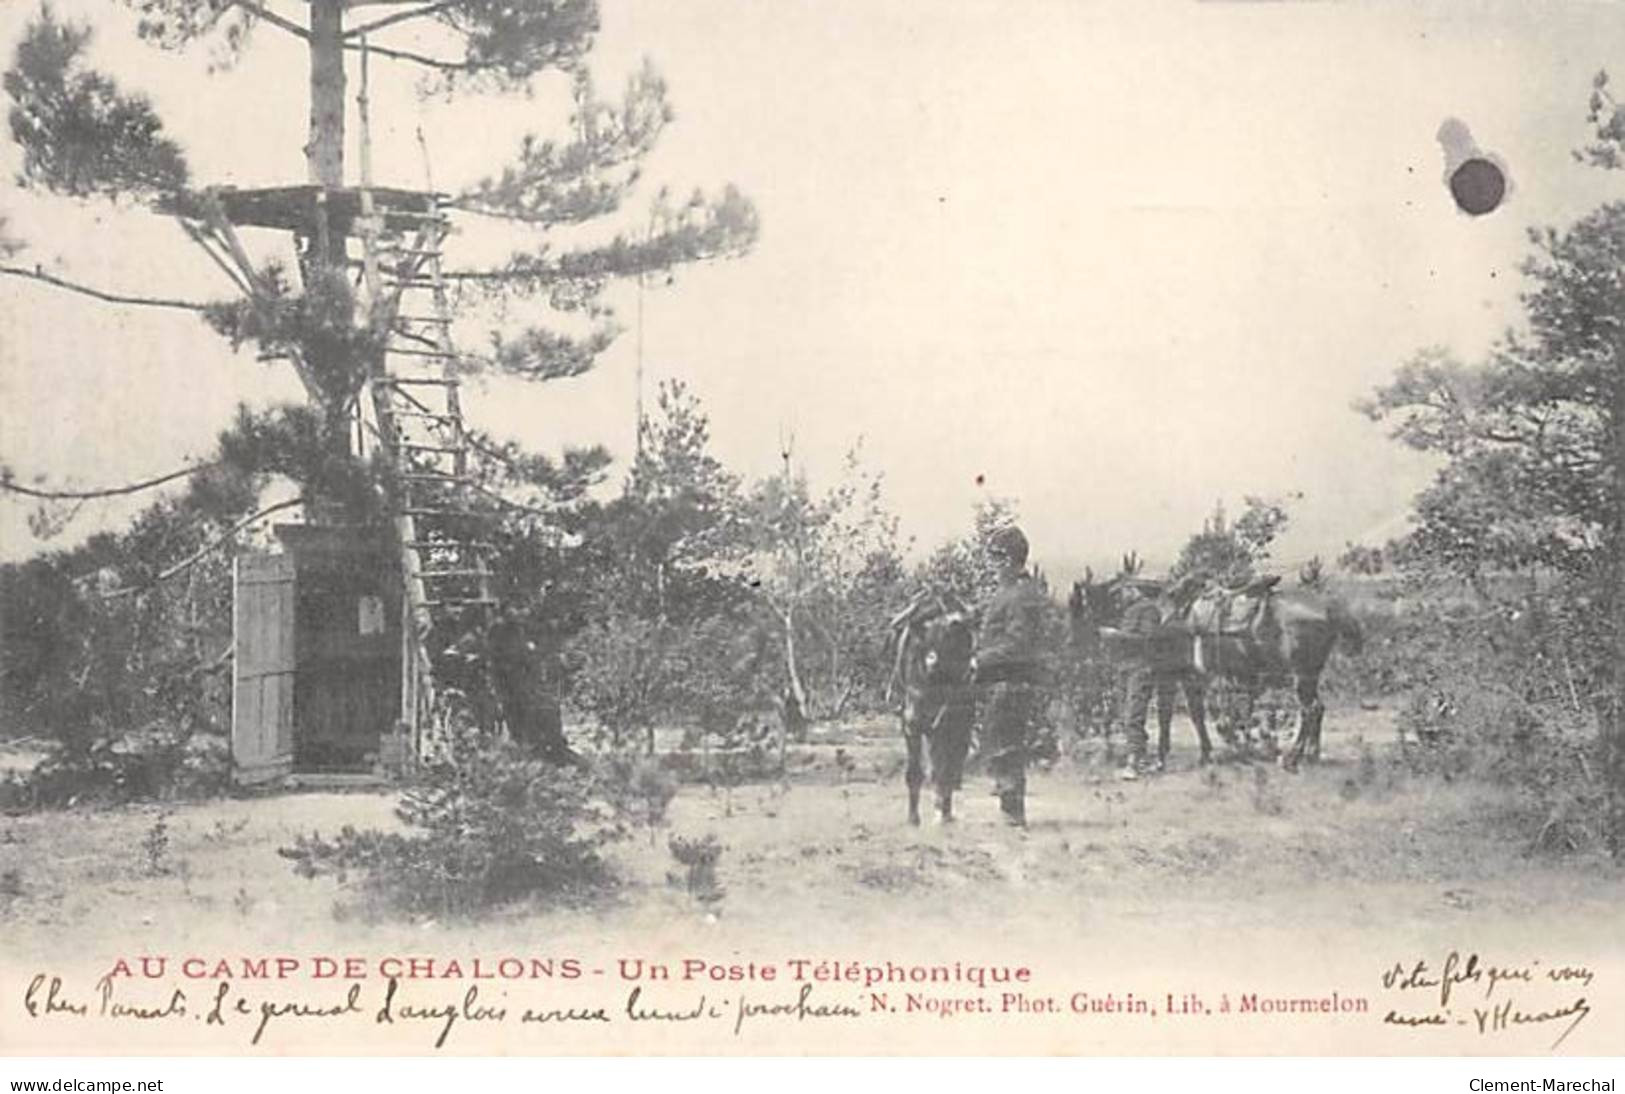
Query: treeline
[(682, 596)]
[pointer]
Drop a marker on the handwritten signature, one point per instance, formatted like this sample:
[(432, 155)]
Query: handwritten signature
[(1480, 980)]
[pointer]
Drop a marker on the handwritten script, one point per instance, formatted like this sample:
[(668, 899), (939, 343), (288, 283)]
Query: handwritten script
[(225, 1006), (1493, 999)]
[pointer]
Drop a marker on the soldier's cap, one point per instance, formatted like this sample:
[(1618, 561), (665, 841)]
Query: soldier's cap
[(1008, 542)]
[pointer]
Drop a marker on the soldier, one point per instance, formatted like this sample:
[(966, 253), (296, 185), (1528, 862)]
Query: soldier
[(1142, 619), (524, 678), (1158, 667), (1007, 665)]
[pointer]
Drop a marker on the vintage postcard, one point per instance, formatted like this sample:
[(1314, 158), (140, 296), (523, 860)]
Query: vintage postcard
[(604, 527)]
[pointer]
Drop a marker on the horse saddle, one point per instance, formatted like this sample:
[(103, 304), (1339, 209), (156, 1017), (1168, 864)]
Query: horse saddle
[(1234, 612)]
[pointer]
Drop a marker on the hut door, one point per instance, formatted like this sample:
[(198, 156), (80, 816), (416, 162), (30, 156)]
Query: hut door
[(262, 683)]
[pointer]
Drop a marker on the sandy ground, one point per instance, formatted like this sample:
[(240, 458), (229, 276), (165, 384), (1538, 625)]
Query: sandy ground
[(1234, 864)]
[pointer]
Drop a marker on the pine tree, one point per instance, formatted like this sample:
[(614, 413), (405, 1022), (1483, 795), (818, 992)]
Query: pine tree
[(83, 135)]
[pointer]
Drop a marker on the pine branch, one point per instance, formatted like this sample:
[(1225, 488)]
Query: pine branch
[(472, 208), (201, 238), (225, 538), (38, 274), (437, 63), (701, 231), (271, 17), (509, 503), (80, 134), (399, 17), (9, 486)]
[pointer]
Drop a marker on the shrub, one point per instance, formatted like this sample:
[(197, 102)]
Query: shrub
[(484, 826), (155, 847), (631, 674), (640, 790), (1266, 798), (1504, 690), (699, 858), (155, 765), (624, 676)]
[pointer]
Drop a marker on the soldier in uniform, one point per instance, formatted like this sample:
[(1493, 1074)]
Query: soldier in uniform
[(1156, 669), (1008, 667), (1141, 619)]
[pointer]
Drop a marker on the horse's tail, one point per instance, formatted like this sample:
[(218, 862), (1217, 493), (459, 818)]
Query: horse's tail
[(1346, 626)]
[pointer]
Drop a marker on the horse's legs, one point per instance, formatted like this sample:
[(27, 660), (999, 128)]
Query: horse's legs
[(1269, 728), (915, 772), (1197, 704), (1310, 713), (1250, 689), (950, 742), (1317, 712), (1225, 709), (1319, 709), (1111, 714)]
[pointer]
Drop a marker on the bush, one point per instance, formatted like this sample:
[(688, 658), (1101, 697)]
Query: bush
[(1503, 691), (631, 674), (640, 790), (156, 765), (622, 674), (487, 825), (699, 858)]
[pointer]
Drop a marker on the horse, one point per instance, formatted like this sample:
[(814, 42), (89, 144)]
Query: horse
[(933, 663), (1280, 637)]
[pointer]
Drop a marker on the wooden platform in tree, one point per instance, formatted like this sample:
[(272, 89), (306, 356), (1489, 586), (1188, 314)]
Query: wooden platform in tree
[(293, 208)]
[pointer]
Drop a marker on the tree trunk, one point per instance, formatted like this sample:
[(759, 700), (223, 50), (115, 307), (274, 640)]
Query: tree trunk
[(795, 694), (324, 153), (1613, 727), (798, 693), (323, 263)]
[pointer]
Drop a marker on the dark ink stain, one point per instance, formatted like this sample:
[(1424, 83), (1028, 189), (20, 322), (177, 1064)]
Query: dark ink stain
[(1477, 180), (981, 480), (1478, 187)]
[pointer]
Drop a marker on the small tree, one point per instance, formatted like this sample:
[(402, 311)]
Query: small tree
[(828, 569), (673, 538), (486, 826), (1359, 559), (1231, 551), (1531, 439), (964, 566), (625, 676)]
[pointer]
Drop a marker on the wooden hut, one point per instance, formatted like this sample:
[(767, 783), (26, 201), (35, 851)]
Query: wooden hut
[(317, 684)]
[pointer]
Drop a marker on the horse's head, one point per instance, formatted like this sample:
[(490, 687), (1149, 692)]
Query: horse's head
[(1091, 606)]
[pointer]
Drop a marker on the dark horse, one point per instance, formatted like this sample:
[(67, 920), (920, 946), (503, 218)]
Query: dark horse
[(934, 646), (1256, 638)]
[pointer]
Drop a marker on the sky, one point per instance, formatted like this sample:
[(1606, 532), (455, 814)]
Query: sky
[(1115, 262)]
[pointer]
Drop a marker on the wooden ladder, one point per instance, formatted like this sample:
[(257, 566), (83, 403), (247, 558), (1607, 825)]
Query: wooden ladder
[(418, 420)]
